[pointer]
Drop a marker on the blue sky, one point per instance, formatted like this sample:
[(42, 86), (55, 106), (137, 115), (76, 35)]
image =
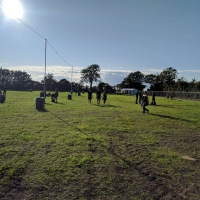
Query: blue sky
[(121, 36)]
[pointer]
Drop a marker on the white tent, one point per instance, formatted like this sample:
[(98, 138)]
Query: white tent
[(130, 91)]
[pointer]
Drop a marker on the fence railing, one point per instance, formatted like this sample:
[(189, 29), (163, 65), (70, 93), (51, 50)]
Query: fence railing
[(176, 94)]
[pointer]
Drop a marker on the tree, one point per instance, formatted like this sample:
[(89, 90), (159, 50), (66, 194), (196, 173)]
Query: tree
[(64, 85), (134, 80), (90, 74), (50, 82), (181, 84), (105, 86), (155, 82), (168, 76)]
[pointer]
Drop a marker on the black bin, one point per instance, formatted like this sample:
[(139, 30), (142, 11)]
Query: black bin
[(69, 97), (39, 103)]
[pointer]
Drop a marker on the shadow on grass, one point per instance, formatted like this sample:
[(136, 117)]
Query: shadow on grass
[(58, 103), (170, 117), (78, 129), (167, 106), (42, 110), (47, 103), (105, 105)]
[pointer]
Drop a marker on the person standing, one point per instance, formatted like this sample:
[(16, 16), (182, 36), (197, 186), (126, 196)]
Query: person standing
[(153, 99), (98, 96), (140, 96), (145, 102), (89, 96), (56, 95), (136, 101), (4, 91), (104, 97)]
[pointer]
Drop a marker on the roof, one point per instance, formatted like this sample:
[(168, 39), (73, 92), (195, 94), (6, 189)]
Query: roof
[(128, 89)]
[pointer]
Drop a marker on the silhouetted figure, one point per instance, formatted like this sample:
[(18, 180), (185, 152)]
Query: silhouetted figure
[(98, 96), (56, 95), (89, 96), (140, 96), (153, 99), (4, 91), (137, 94), (43, 94), (2, 98), (104, 97)]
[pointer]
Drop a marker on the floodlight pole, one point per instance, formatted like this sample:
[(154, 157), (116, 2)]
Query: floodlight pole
[(45, 67)]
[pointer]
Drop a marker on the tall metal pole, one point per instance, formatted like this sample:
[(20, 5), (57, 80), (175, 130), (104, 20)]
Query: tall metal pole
[(45, 68), (71, 79)]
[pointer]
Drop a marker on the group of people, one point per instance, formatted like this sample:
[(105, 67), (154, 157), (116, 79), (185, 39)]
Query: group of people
[(98, 96), (54, 96), (141, 98)]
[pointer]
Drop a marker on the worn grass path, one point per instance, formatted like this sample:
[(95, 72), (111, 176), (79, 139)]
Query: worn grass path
[(74, 150)]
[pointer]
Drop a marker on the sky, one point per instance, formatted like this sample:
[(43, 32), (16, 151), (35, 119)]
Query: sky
[(121, 36)]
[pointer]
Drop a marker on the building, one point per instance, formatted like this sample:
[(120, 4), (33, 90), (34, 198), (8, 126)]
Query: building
[(130, 91)]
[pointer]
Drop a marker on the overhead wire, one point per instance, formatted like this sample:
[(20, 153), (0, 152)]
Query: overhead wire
[(41, 37)]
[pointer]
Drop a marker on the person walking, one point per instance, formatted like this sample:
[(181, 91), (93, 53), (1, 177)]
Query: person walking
[(144, 102), (89, 96)]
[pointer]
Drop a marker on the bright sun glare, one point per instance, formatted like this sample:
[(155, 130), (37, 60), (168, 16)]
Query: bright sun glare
[(12, 8)]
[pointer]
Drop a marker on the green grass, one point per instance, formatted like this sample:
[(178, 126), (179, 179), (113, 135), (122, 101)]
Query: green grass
[(74, 150)]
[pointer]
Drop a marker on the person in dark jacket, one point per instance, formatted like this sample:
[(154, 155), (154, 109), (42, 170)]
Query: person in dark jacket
[(98, 96), (56, 95), (145, 102), (140, 96), (137, 94), (4, 91), (153, 99), (89, 96), (104, 97)]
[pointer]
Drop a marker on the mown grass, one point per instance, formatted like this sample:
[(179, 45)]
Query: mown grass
[(74, 150)]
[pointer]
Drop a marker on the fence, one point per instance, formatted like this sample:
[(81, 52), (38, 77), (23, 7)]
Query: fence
[(177, 94)]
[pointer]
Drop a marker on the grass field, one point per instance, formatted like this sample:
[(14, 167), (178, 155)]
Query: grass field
[(74, 150)]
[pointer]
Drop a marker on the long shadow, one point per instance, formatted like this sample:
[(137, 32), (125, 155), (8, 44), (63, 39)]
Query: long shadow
[(170, 117), (57, 103), (106, 105), (47, 103), (42, 110), (78, 129), (167, 106)]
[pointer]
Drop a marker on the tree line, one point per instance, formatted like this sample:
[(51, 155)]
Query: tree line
[(167, 80), (18, 80)]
